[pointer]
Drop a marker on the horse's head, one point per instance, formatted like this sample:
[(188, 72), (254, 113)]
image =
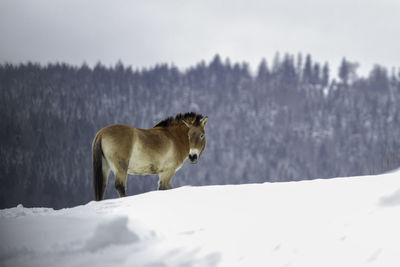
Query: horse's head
[(197, 139)]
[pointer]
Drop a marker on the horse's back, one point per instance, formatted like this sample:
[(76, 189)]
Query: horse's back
[(117, 134)]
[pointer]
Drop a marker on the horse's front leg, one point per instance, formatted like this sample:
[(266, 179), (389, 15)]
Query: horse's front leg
[(165, 180)]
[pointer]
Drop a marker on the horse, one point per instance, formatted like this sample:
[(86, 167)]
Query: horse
[(160, 150)]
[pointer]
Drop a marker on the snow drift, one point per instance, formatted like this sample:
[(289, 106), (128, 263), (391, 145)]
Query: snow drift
[(338, 222)]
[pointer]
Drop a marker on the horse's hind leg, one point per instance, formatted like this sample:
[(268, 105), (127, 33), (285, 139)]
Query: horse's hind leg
[(120, 183), (120, 173)]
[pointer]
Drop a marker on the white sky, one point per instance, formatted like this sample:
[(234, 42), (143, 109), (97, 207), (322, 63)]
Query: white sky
[(183, 32)]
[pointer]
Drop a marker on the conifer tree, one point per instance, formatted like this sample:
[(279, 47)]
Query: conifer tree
[(325, 75), (307, 71)]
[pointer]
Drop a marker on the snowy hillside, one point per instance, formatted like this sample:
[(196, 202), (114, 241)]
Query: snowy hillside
[(338, 222)]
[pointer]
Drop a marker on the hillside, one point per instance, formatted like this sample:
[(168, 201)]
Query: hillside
[(337, 222), (288, 121)]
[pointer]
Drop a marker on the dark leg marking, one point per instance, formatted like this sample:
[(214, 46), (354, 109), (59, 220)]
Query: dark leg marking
[(120, 188)]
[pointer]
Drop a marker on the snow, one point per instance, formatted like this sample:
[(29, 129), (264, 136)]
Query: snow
[(350, 221)]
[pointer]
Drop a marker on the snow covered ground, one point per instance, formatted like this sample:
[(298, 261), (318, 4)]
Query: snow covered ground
[(351, 221)]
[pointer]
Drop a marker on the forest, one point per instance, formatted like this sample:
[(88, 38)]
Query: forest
[(291, 119)]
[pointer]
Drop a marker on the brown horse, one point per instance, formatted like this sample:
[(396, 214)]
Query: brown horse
[(160, 150)]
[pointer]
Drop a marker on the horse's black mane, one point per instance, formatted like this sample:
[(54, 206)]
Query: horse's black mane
[(192, 117)]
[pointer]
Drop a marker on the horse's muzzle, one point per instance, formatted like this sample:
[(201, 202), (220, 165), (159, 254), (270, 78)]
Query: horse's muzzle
[(193, 158)]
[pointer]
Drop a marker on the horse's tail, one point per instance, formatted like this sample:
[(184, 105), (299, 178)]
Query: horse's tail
[(97, 153)]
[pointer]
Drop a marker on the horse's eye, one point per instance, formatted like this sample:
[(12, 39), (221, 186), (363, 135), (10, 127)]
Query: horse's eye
[(202, 136)]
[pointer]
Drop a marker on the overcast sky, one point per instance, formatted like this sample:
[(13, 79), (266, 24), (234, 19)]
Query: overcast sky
[(183, 32)]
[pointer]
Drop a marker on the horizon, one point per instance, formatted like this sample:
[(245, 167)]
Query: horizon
[(253, 69)]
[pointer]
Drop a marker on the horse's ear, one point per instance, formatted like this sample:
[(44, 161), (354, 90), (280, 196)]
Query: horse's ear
[(187, 124), (204, 121)]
